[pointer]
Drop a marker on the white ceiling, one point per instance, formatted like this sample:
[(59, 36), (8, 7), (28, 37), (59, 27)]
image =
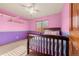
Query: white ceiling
[(45, 9)]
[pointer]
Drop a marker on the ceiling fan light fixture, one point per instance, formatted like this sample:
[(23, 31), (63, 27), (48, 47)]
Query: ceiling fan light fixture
[(28, 5), (33, 11), (31, 8)]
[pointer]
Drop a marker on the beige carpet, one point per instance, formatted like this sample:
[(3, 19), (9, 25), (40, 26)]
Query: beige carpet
[(8, 47)]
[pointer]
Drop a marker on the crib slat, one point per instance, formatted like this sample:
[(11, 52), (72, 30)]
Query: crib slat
[(61, 47), (41, 45), (36, 44), (46, 45), (49, 46), (53, 47), (57, 47)]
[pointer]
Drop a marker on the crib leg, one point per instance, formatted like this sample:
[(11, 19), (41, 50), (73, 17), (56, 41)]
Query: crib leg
[(28, 45)]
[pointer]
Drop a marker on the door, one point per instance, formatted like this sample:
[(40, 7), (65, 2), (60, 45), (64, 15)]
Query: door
[(75, 16)]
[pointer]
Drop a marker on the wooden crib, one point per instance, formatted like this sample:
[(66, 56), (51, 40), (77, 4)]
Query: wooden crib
[(47, 45)]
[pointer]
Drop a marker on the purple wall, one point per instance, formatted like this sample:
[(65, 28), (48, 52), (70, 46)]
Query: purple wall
[(7, 37), (12, 31)]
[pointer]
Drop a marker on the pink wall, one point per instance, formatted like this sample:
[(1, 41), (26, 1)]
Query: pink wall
[(17, 24), (10, 13), (65, 18), (61, 19), (53, 21), (56, 20)]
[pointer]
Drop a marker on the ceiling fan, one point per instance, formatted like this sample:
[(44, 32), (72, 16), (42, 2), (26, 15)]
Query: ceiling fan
[(30, 7)]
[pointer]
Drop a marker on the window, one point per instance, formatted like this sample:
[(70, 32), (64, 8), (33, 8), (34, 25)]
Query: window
[(41, 25)]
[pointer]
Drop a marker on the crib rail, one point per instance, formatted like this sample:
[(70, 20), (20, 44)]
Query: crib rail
[(48, 45)]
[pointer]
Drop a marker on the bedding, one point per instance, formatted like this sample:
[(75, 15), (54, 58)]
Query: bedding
[(50, 32), (35, 44)]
